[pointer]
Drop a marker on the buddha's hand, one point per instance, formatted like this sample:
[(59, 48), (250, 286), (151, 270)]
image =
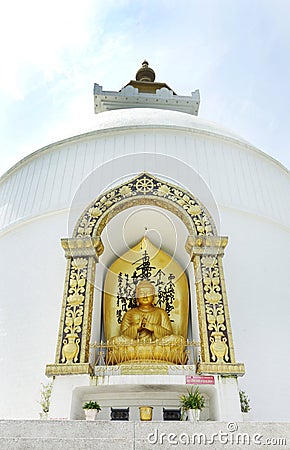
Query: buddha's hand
[(149, 326), (142, 323)]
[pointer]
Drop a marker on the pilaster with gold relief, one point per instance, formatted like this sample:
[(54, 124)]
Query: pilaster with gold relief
[(76, 314), (217, 348)]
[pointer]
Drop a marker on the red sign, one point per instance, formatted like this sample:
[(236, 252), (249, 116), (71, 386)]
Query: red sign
[(192, 379)]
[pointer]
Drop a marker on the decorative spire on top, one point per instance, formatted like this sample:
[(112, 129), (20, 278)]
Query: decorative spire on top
[(145, 73), (145, 92)]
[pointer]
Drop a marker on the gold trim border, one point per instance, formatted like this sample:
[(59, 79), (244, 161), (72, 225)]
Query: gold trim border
[(222, 369), (213, 247), (69, 369), (145, 189), (88, 248)]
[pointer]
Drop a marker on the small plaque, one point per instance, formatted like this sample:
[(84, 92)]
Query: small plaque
[(144, 369), (206, 379)]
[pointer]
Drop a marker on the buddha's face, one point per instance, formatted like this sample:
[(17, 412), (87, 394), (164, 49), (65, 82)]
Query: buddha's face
[(145, 294)]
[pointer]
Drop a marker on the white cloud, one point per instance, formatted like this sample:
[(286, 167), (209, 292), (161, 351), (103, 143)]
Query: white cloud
[(37, 38)]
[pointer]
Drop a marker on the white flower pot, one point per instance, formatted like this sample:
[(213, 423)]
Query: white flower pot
[(193, 415), (91, 414)]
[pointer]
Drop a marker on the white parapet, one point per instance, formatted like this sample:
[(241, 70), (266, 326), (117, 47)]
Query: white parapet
[(129, 97)]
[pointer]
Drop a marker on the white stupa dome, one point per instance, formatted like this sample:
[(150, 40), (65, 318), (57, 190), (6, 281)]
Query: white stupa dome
[(235, 171)]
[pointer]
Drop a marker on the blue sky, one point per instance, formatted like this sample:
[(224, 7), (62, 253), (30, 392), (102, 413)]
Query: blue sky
[(236, 52)]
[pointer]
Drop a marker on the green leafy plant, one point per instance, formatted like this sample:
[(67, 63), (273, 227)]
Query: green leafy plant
[(245, 402), (45, 395), (192, 400), (92, 405)]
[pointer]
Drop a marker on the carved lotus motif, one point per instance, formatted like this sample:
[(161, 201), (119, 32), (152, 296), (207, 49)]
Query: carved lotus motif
[(193, 210), (95, 212), (208, 261), (75, 299), (213, 297), (163, 190), (125, 191)]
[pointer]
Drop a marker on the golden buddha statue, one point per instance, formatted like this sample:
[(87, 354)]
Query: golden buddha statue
[(146, 333)]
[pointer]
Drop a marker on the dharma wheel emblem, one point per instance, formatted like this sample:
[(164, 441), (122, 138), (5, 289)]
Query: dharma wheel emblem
[(144, 185)]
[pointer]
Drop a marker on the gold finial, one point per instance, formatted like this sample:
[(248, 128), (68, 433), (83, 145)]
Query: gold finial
[(145, 73)]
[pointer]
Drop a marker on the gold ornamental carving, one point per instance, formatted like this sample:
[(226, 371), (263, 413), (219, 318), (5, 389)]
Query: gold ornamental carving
[(74, 310), (86, 246), (68, 369), (76, 316), (217, 349), (204, 246), (70, 349), (145, 189), (214, 309), (229, 369)]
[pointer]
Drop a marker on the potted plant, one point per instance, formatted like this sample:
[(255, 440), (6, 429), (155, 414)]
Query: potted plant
[(192, 403), (245, 403), (91, 409)]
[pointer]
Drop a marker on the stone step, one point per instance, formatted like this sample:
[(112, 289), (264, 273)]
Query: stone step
[(115, 435), (65, 429), (65, 444), (65, 435)]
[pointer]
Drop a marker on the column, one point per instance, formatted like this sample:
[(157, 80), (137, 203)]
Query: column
[(73, 346), (217, 348)]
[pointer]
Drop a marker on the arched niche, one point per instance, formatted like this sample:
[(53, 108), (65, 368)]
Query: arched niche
[(203, 245), (145, 260)]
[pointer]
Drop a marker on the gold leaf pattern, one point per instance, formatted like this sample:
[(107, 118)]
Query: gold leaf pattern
[(194, 209), (75, 299), (145, 185), (212, 297), (163, 190), (95, 212), (125, 191), (214, 309), (74, 310)]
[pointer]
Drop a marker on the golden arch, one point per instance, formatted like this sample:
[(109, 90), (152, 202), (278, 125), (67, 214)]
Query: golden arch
[(145, 189)]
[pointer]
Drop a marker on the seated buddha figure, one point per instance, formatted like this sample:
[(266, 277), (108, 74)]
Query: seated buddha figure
[(146, 332)]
